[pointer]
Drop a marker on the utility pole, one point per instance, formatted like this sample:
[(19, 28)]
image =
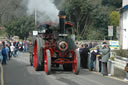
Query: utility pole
[(35, 17)]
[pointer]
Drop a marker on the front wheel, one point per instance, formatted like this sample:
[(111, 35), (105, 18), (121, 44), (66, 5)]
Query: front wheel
[(76, 62), (47, 62)]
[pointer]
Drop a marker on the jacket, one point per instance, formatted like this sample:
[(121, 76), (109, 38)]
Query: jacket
[(4, 52), (105, 54)]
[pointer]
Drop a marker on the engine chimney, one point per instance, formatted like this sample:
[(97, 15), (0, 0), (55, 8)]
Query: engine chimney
[(62, 17)]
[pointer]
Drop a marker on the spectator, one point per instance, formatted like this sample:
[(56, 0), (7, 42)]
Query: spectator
[(93, 58), (25, 46), (12, 48), (4, 54), (99, 57), (80, 51), (105, 54), (7, 51), (20, 48), (81, 48), (16, 48), (76, 44), (84, 58), (126, 69), (3, 43)]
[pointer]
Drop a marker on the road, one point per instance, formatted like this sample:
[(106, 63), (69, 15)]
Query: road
[(19, 72)]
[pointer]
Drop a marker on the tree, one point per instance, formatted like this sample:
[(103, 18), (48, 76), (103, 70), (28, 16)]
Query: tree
[(94, 34), (114, 20), (80, 12), (114, 3), (88, 14), (20, 27), (11, 9)]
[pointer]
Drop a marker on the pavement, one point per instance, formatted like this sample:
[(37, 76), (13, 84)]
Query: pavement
[(19, 72)]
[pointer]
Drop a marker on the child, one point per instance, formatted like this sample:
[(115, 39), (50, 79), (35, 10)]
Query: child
[(126, 69)]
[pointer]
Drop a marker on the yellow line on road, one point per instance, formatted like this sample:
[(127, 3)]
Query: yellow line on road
[(2, 75)]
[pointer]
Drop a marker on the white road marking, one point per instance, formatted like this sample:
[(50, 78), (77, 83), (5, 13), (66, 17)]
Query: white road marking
[(2, 75)]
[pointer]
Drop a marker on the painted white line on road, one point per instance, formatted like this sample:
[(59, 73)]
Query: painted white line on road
[(2, 75)]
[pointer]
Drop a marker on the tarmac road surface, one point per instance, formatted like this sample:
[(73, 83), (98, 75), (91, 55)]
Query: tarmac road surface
[(19, 72)]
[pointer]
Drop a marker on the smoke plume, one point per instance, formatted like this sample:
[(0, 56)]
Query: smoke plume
[(45, 9)]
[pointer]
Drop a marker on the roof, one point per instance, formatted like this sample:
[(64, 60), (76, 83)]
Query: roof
[(124, 9)]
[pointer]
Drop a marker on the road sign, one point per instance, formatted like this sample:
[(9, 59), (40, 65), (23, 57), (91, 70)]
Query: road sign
[(35, 32), (110, 30), (114, 44)]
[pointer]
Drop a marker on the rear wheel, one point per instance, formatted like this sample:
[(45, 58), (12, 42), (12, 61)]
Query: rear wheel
[(41, 53), (47, 62), (76, 62), (37, 55)]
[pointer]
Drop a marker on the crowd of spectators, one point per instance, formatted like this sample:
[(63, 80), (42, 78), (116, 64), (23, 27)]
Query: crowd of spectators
[(89, 53), (10, 49)]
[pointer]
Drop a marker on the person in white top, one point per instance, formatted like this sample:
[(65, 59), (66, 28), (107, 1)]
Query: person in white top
[(12, 48)]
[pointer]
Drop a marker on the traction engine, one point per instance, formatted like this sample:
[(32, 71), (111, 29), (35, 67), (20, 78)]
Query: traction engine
[(52, 47)]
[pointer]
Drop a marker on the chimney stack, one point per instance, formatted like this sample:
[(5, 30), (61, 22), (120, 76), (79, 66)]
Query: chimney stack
[(62, 17)]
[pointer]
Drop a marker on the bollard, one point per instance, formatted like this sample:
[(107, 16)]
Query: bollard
[(97, 64), (110, 67), (110, 64), (89, 57)]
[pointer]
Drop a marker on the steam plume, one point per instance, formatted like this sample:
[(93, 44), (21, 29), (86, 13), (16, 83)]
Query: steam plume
[(45, 9)]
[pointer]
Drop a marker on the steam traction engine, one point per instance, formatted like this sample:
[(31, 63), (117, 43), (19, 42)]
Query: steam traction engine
[(53, 47)]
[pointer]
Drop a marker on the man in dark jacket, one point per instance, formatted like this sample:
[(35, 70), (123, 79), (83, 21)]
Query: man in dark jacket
[(4, 54), (84, 57)]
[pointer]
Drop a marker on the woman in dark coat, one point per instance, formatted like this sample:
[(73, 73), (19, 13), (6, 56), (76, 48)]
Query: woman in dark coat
[(84, 57)]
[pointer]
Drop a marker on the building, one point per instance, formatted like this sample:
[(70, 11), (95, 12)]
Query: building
[(125, 2), (124, 25)]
